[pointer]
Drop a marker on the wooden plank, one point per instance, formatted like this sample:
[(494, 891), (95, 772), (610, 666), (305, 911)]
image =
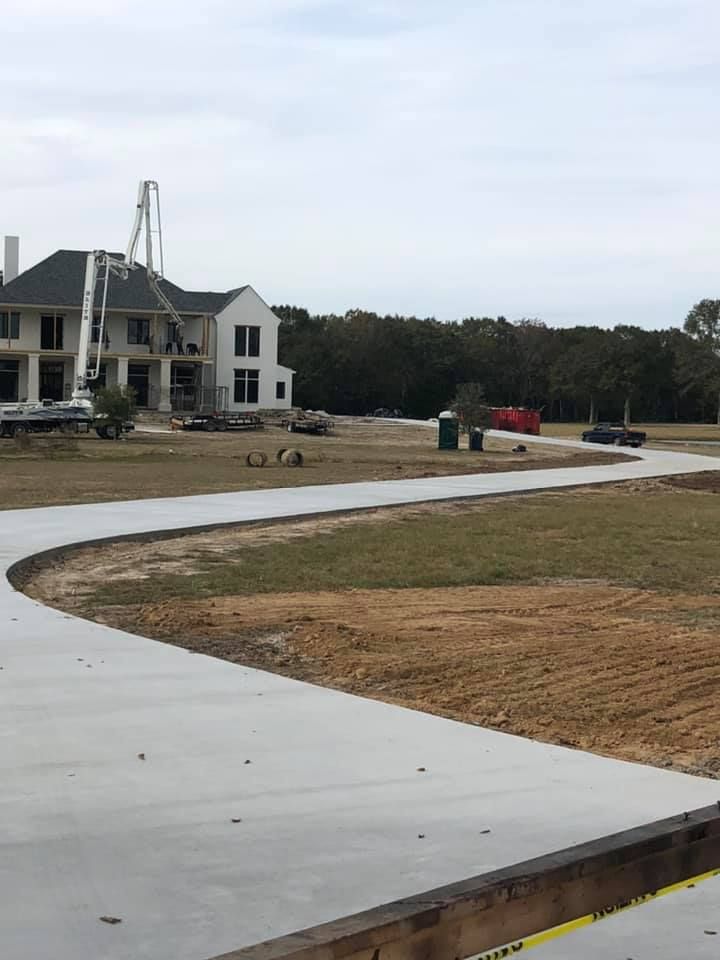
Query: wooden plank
[(483, 912)]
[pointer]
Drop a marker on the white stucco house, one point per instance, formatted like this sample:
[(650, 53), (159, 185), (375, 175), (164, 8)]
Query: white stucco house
[(224, 355)]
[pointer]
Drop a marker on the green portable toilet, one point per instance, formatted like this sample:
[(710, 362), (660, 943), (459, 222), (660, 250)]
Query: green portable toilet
[(448, 431)]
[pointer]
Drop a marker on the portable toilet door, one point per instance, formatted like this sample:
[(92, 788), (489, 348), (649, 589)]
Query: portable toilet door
[(448, 431)]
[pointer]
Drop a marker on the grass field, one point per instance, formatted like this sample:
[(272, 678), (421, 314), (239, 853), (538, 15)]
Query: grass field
[(666, 541), (657, 432), (41, 471)]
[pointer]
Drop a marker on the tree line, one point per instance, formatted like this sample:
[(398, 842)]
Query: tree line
[(357, 362)]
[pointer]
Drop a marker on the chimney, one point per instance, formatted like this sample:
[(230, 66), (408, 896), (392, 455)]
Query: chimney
[(12, 259)]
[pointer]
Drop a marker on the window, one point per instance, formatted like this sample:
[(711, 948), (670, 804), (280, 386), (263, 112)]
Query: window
[(138, 330), (95, 330), (280, 390), (9, 380), (51, 332), (9, 326), (247, 386), (247, 341)]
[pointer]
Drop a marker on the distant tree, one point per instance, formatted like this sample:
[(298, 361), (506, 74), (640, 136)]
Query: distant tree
[(627, 364), (703, 324), (360, 360), (116, 405), (576, 369), (471, 406)]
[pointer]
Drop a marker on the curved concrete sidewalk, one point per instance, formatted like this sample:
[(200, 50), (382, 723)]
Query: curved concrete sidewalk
[(331, 805)]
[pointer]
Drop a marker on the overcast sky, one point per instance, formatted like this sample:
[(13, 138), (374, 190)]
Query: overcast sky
[(548, 158)]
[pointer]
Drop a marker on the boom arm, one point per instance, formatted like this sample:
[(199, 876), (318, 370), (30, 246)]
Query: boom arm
[(99, 260), (96, 261), (143, 216)]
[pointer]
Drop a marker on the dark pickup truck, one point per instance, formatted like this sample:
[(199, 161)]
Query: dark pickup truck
[(615, 433)]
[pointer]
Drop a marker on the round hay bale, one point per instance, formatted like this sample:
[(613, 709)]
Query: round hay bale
[(292, 458), (256, 458), (279, 454)]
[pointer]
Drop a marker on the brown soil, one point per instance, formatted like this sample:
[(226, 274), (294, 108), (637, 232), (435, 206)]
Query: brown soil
[(623, 672), (706, 482)]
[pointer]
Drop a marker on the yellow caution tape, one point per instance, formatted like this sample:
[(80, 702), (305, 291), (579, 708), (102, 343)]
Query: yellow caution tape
[(537, 939)]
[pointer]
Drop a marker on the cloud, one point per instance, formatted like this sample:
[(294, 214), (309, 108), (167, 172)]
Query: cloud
[(501, 156)]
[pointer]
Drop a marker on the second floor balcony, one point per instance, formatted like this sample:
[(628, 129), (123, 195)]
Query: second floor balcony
[(124, 334)]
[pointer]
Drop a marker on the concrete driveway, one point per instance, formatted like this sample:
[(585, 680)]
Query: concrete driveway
[(331, 805)]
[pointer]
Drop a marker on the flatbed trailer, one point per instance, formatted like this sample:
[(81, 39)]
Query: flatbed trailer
[(319, 426), (211, 422)]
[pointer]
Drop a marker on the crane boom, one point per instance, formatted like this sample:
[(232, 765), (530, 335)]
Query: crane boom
[(99, 260), (147, 200)]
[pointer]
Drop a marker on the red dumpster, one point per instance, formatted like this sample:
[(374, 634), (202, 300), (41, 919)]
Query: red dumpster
[(516, 420)]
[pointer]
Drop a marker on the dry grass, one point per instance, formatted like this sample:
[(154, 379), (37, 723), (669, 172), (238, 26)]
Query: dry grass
[(666, 541), (657, 432), (42, 471)]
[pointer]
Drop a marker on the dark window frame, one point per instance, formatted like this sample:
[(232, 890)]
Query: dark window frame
[(246, 384), (138, 331), (280, 390), (58, 331), (9, 325), (247, 340)]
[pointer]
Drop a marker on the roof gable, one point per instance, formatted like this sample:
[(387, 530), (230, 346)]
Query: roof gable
[(58, 281), (247, 290)]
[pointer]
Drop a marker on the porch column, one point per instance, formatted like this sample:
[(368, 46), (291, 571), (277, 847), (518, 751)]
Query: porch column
[(33, 378), (165, 379), (122, 371)]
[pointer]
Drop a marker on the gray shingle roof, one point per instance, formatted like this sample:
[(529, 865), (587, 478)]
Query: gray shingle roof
[(58, 281)]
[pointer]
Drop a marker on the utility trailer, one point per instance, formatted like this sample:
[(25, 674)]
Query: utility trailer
[(315, 425), (19, 420), (211, 422)]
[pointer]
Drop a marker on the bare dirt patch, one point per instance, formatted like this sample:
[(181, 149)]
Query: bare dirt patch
[(706, 482)]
